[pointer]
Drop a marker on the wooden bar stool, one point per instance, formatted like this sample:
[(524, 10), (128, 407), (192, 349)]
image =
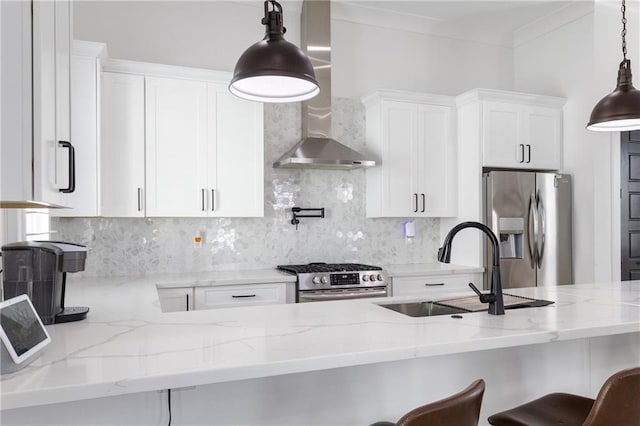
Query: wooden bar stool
[(617, 403), (461, 409)]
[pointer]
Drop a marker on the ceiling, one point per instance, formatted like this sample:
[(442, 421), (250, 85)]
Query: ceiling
[(500, 16)]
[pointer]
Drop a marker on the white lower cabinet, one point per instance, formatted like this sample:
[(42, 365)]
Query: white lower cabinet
[(176, 299), (226, 296), (431, 286)]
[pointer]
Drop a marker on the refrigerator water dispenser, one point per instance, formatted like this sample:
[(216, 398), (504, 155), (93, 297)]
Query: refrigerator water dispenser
[(511, 237)]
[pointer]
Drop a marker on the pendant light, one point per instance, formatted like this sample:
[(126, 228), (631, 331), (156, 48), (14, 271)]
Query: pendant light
[(274, 70), (619, 111)]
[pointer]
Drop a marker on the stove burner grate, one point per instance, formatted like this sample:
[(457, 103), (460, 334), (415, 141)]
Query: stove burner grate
[(327, 267)]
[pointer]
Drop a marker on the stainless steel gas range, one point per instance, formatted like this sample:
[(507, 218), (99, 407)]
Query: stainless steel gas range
[(338, 281)]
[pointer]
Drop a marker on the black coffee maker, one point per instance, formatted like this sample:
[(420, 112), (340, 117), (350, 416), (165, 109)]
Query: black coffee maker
[(39, 270)]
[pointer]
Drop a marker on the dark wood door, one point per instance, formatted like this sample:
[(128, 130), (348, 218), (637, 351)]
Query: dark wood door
[(630, 205)]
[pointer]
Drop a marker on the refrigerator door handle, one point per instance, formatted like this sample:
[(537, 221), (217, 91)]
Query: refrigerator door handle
[(532, 230), (541, 232)]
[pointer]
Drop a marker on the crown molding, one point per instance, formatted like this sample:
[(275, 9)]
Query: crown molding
[(520, 98), (162, 70), (407, 96), (90, 48), (561, 17), (376, 17)]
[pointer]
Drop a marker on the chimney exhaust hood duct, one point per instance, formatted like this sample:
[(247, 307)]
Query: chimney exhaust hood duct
[(317, 149)]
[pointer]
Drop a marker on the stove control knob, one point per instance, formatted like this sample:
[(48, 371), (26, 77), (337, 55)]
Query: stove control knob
[(372, 277), (365, 278), (324, 279), (317, 279), (380, 278)]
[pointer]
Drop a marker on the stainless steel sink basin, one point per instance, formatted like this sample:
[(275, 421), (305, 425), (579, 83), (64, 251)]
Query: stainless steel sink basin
[(444, 307), (423, 309)]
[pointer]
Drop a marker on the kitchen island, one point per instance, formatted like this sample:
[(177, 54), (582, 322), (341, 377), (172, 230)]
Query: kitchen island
[(343, 362)]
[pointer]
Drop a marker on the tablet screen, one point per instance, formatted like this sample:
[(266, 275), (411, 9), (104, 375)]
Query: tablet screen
[(21, 326)]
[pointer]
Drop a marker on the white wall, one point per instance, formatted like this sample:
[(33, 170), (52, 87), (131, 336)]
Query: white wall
[(579, 61), (205, 34), (365, 57)]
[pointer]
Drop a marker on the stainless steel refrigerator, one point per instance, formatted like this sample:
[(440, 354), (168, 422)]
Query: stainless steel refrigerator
[(530, 213)]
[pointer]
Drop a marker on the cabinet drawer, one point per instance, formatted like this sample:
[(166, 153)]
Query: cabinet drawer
[(434, 285), (240, 295)]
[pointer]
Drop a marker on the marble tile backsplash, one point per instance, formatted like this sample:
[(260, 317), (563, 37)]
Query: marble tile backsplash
[(150, 245)]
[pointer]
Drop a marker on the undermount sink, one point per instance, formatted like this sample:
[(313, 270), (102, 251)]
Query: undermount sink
[(423, 309), (444, 307)]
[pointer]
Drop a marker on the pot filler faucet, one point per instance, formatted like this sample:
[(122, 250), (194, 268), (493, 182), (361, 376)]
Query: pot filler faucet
[(494, 298)]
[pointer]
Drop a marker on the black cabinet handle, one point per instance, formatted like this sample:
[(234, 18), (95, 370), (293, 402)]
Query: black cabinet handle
[(213, 200), (416, 200), (204, 194), (521, 153), (424, 203), (242, 296), (433, 284), (72, 167), (528, 153), (187, 301)]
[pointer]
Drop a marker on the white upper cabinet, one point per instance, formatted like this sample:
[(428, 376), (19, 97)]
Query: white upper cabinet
[(86, 71), (413, 137), (16, 108), (35, 101), (53, 152), (122, 145), (204, 151), (177, 154), (518, 131), (236, 168)]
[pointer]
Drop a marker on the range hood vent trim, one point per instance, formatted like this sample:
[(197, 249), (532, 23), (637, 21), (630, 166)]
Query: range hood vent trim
[(322, 153)]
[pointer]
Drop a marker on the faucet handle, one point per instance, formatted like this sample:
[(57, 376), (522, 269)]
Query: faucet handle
[(484, 298)]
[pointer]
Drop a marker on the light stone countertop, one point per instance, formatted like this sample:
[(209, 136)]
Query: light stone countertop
[(260, 276), (204, 279), (128, 345), (426, 269)]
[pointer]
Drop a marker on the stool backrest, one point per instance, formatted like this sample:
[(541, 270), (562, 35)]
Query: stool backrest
[(461, 409), (618, 402)]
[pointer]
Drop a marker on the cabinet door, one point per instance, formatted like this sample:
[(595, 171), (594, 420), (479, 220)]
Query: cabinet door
[(434, 286), (16, 101), (501, 135), (400, 159), (236, 181), (176, 151), (84, 136), (240, 295), (436, 169), (122, 145), (176, 299), (51, 62), (543, 136)]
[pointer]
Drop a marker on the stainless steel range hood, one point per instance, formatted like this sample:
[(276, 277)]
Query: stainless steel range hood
[(317, 149)]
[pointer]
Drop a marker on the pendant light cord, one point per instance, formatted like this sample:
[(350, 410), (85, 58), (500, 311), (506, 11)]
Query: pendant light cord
[(624, 31)]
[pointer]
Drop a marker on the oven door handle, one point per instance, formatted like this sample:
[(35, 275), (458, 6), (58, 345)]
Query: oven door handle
[(343, 296)]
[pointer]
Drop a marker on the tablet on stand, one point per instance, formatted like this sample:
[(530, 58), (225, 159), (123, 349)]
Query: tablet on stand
[(22, 334)]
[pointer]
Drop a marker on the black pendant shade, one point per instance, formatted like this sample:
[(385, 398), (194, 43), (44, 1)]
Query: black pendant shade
[(620, 110), (274, 70)]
